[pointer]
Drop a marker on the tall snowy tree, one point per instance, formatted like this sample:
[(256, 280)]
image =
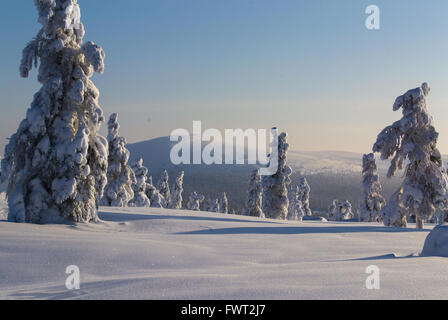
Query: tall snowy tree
[(275, 187), (372, 201), (224, 204), (254, 196), (296, 211), (176, 195), (164, 188), (56, 163), (194, 202), (304, 196), (139, 187), (118, 190), (414, 138)]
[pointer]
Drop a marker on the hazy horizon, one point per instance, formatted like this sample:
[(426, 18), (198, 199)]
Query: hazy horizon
[(310, 68)]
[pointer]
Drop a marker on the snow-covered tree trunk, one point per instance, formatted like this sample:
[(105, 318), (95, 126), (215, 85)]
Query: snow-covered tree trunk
[(254, 196), (414, 138), (371, 202), (139, 187), (194, 202), (275, 187), (118, 190), (224, 204), (176, 195), (164, 188), (304, 196), (56, 163)]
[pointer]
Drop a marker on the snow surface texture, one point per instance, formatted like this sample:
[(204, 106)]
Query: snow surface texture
[(414, 138), (149, 253), (56, 162)]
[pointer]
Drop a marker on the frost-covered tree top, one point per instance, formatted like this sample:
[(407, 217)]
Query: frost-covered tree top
[(176, 194), (371, 201), (139, 187), (275, 191), (254, 196), (414, 138), (56, 162), (304, 196), (120, 178)]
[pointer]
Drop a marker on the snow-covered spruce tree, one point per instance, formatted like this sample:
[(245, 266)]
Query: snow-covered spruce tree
[(254, 196), (296, 210), (275, 187), (371, 201), (224, 204), (414, 138), (214, 206), (139, 187), (340, 211), (304, 196), (194, 202), (164, 188), (118, 190), (56, 163), (394, 213), (176, 195)]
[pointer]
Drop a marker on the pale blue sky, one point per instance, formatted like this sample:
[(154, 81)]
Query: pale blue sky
[(309, 67)]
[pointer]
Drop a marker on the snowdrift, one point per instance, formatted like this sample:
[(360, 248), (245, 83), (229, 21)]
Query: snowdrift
[(179, 254), (436, 243)]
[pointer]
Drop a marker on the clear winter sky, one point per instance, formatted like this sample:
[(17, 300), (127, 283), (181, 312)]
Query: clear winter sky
[(309, 67)]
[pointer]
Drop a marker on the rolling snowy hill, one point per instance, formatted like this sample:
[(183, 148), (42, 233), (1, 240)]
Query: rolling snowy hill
[(167, 254)]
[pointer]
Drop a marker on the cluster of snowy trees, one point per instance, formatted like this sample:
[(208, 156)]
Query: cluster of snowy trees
[(269, 197)]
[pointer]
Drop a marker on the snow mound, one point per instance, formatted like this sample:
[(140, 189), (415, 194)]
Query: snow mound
[(436, 243)]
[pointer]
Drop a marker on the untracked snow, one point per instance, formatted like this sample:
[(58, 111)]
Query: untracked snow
[(153, 253)]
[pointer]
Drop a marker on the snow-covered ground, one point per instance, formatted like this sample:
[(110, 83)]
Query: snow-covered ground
[(168, 254)]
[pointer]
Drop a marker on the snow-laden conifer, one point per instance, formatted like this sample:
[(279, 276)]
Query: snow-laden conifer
[(394, 213), (304, 196), (139, 187), (254, 196), (164, 188), (371, 201), (340, 211), (176, 194), (296, 211), (118, 190), (194, 201), (224, 204), (275, 187), (414, 138), (214, 206), (56, 163)]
